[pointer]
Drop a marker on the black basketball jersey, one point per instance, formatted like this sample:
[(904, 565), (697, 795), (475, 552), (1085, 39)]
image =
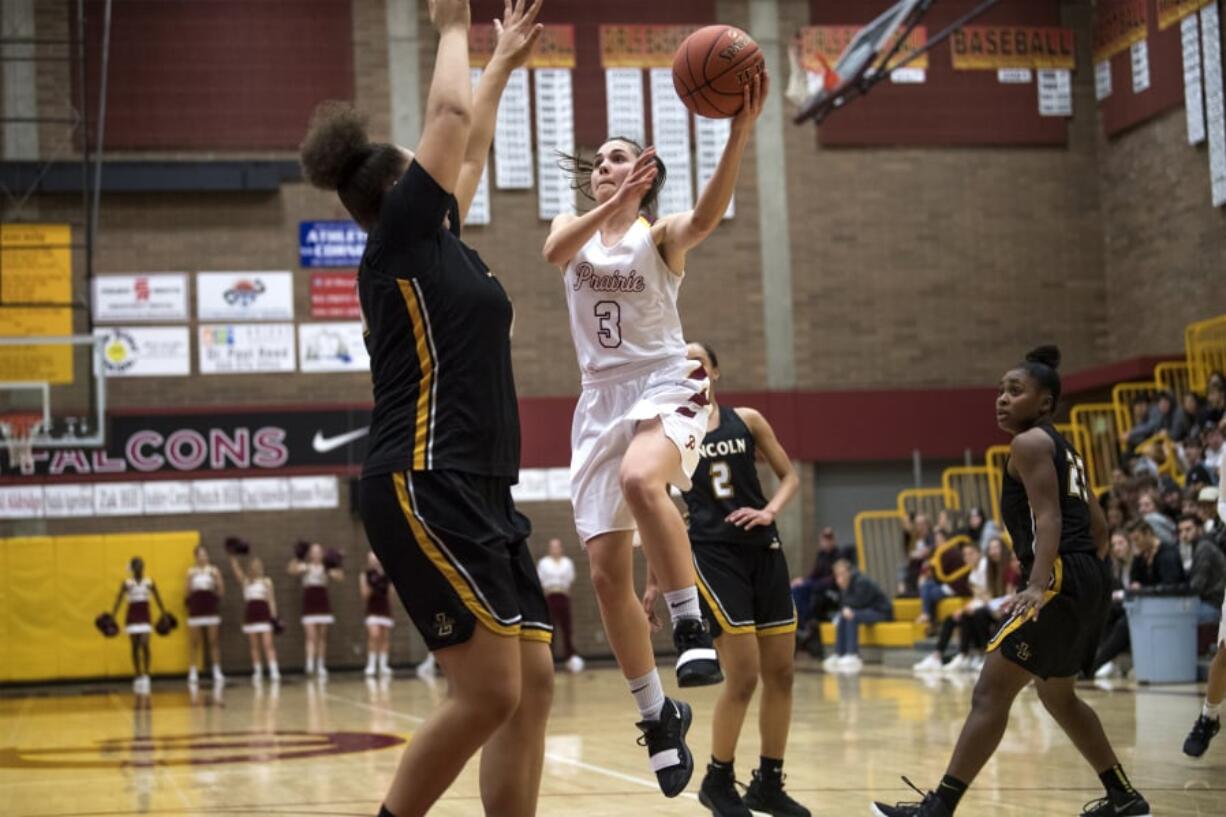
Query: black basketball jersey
[(437, 325), (1075, 532), (726, 479)]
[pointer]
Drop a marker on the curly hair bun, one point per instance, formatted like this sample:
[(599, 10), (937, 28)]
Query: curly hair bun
[(335, 144), (1047, 355)]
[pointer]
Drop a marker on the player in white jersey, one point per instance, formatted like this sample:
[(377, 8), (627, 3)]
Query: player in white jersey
[(204, 592), (643, 411)]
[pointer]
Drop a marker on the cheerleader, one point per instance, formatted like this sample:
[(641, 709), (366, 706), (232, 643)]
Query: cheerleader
[(316, 609), (204, 591), (259, 610), (374, 585), (138, 588)]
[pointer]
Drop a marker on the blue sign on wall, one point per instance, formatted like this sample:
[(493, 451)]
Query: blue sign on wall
[(330, 244)]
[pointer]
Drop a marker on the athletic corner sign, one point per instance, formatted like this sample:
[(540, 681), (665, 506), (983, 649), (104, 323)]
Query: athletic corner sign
[(330, 244)]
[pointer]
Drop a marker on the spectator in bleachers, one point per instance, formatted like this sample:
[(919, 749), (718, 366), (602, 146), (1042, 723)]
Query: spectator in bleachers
[(861, 601), (1172, 499), (1212, 437), (1117, 514), (1207, 509), (1189, 417), (1215, 398), (1206, 566), (1149, 417), (1162, 525), (988, 580), (1153, 564), (816, 597), (919, 540), (979, 528), (1192, 461), (947, 522), (948, 577), (1120, 561)]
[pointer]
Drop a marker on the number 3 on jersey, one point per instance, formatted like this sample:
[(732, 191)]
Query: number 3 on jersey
[(1077, 484), (609, 330)]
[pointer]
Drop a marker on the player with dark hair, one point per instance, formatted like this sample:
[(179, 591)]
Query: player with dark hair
[(138, 588), (642, 412), (1060, 536), (444, 449)]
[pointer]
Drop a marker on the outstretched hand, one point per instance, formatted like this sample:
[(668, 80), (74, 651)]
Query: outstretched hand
[(445, 14), (639, 180), (753, 100), (517, 31)]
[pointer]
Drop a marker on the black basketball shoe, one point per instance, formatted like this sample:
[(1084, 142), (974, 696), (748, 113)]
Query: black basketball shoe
[(697, 663), (930, 806), (719, 793), (1202, 732), (1133, 805), (670, 758), (767, 795)]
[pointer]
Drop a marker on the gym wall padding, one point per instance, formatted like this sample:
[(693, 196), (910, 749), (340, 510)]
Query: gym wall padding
[(51, 588)]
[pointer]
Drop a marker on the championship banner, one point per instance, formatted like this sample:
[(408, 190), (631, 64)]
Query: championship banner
[(1193, 87), (989, 48), (36, 260), (1119, 24), (711, 136), (818, 43), (555, 48), (479, 208), (1171, 12), (1215, 100), (624, 103), (555, 134), (670, 130), (641, 46)]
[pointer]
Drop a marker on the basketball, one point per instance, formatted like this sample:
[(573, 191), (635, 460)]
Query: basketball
[(712, 67)]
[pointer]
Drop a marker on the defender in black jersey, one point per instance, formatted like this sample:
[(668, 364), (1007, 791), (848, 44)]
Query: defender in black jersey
[(746, 596), (444, 453), (1060, 536)]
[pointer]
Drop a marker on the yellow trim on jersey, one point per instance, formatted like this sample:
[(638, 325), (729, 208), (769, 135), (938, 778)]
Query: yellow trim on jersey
[(421, 424), (646, 223), (534, 634), (1057, 581), (720, 618), (782, 629), (445, 567)]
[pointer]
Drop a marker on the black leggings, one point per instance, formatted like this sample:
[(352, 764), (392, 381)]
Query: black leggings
[(973, 630)]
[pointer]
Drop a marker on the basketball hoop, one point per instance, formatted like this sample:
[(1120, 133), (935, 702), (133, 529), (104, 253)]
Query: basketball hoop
[(19, 429)]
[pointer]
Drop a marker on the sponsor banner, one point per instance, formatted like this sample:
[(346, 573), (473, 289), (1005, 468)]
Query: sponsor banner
[(1119, 24), (245, 296), (145, 351), (980, 48), (330, 244), (50, 363), (332, 347), (641, 46), (821, 46), (335, 295), (37, 264), (168, 497), (213, 443), (1171, 12), (155, 297), (555, 48), (245, 348)]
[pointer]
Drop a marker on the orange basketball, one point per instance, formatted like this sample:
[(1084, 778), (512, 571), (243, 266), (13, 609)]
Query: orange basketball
[(712, 67)]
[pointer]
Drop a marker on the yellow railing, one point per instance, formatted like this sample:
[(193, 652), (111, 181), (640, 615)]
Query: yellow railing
[(880, 547), (928, 501), (972, 487), (1099, 444), (1206, 346), (1174, 376), (1122, 397)]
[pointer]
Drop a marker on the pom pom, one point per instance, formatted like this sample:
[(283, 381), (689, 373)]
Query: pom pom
[(236, 546), (166, 624), (277, 626), (333, 558), (300, 549), (105, 622)]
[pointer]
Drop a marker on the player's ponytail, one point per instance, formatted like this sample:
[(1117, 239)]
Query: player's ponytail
[(1041, 364), (338, 155)]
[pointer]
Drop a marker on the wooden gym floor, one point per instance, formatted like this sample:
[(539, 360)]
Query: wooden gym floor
[(311, 749)]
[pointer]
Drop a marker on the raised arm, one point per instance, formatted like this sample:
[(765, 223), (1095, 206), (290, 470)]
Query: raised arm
[(296, 567), (679, 233), (237, 569), (517, 34), (449, 103), (1031, 453)]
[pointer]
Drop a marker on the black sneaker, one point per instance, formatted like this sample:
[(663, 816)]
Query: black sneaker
[(1202, 732), (719, 793), (1106, 807), (697, 663), (930, 806), (665, 741), (768, 796)]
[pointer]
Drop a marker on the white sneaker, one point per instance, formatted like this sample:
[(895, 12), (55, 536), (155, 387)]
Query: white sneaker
[(831, 664), (138, 686), (427, 669), (1107, 670), (850, 664), (218, 678), (370, 669), (931, 663), (146, 685), (959, 663), (977, 663), (274, 674), (322, 673), (193, 677), (257, 678), (574, 664)]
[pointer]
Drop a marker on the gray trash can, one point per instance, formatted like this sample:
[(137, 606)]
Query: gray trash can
[(1163, 632)]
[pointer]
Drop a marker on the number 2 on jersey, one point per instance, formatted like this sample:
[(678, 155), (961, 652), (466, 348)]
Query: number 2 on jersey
[(609, 331), (1077, 484), (721, 480)]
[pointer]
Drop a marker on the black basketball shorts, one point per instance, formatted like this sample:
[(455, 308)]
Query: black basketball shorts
[(744, 589)]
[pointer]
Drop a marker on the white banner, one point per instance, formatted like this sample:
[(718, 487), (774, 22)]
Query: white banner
[(909, 76), (479, 208), (244, 296), (332, 347), (555, 133), (1102, 80), (1215, 106), (266, 494), (165, 497), (533, 486), (22, 502), (314, 492), (1055, 92), (711, 136), (146, 351), (670, 128), (558, 480), (1014, 76), (624, 103), (1139, 59), (119, 499), (513, 135), (62, 501), (245, 348), (155, 297), (217, 496), (1193, 88)]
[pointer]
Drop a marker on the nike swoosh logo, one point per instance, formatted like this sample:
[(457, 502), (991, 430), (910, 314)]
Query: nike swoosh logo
[(324, 444)]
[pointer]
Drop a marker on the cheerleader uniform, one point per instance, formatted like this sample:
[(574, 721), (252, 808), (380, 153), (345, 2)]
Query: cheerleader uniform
[(137, 619), (316, 608), (203, 603), (257, 614), (378, 611)]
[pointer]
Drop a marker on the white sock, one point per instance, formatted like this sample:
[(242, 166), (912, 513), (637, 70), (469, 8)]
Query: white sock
[(648, 694), (383, 661), (1212, 711), (371, 659), (255, 668), (683, 603), (272, 668)]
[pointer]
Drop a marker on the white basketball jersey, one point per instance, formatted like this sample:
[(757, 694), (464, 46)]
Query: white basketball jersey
[(623, 305)]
